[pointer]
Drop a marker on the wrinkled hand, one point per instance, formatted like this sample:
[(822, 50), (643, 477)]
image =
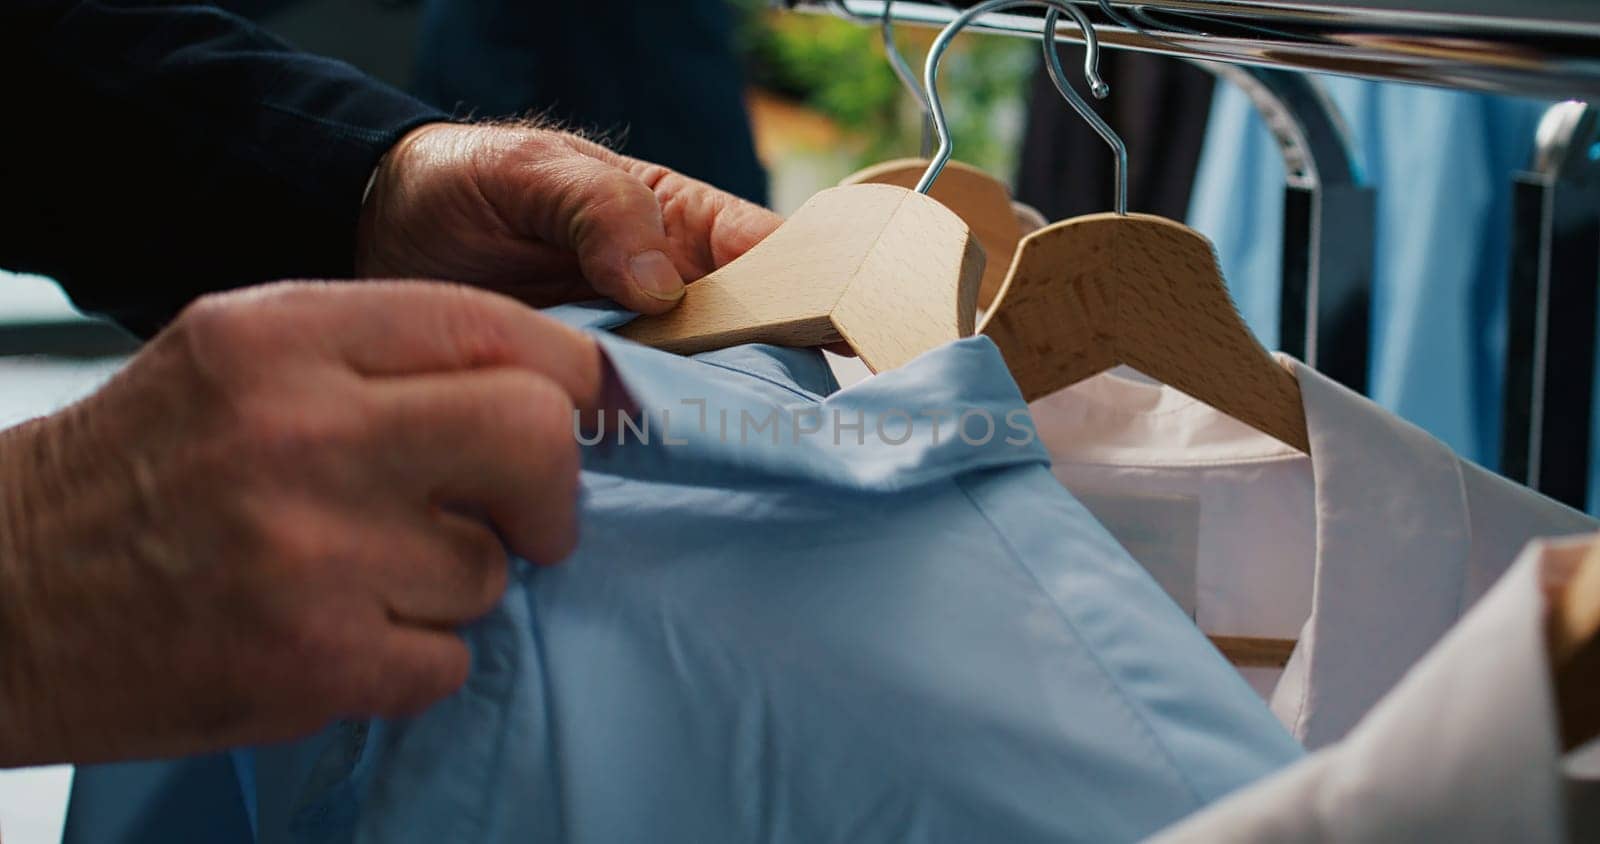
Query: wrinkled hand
[(277, 514), (547, 217)]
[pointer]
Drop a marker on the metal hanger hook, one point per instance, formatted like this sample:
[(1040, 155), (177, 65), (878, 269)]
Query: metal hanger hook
[(897, 62), (1091, 65), (1058, 75)]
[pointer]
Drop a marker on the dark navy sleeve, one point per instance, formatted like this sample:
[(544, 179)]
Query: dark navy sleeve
[(155, 151)]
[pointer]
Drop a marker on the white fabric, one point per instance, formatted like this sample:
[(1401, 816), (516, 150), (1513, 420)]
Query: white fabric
[(1367, 551), (1465, 749)]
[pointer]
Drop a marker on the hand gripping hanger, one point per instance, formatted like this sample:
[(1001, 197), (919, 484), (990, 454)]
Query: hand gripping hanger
[(889, 271)]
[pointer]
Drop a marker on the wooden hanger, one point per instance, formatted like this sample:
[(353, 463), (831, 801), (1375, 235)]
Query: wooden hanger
[(1094, 292), (1573, 632), (1098, 291), (979, 199), (889, 271)]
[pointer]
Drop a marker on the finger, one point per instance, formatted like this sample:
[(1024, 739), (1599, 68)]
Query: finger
[(606, 215), (441, 569), (384, 328), (708, 227), (496, 442), (406, 669)]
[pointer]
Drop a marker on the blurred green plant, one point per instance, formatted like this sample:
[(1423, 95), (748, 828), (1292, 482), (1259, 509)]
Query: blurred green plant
[(838, 68)]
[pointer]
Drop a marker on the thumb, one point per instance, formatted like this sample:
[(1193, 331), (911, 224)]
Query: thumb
[(612, 221)]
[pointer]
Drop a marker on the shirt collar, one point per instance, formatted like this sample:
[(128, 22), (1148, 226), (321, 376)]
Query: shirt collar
[(781, 420), (1392, 525), (1393, 540)]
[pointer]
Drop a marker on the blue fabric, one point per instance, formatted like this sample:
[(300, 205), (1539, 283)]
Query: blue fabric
[(1442, 163), (793, 636), (157, 802), (802, 632)]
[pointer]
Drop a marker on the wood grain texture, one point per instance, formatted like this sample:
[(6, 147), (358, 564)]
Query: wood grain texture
[(889, 271), (1574, 639), (1093, 292), (979, 199), (1253, 652)]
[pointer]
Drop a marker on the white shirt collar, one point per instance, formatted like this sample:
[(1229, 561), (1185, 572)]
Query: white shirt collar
[(1393, 535)]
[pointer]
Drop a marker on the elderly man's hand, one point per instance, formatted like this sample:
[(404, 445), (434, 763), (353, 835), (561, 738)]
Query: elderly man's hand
[(277, 514), (547, 217)]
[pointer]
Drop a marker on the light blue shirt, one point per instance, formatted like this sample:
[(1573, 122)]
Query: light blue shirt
[(1442, 163), (872, 618)]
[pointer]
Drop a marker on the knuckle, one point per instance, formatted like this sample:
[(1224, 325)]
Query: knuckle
[(289, 434), (479, 573), (548, 412), (471, 322), (614, 196), (532, 409)]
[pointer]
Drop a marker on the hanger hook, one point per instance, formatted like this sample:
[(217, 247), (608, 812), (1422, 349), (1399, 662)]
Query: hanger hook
[(1058, 75), (902, 68), (897, 62), (1091, 64)]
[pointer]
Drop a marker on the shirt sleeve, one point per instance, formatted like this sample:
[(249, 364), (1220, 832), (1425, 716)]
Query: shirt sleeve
[(1465, 748), (153, 152)]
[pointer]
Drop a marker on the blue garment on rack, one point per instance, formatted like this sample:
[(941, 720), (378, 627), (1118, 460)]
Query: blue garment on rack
[(892, 632), (1442, 163), (780, 626)]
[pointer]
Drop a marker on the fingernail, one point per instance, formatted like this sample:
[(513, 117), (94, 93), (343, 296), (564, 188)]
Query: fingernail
[(654, 274)]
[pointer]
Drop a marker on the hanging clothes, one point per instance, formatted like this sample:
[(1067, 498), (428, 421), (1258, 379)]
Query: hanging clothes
[(1366, 551), (1442, 163), (1160, 110), (869, 633), (1465, 749)]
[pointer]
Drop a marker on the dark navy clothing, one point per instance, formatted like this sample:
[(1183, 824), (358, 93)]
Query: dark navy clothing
[(660, 78), (156, 151)]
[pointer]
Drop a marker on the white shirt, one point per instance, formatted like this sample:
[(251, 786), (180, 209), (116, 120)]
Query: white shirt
[(1366, 551), (1465, 749)]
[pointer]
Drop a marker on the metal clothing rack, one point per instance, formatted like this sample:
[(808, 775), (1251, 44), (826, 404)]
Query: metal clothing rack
[(1550, 306), (1540, 48), (1329, 224), (1536, 48)]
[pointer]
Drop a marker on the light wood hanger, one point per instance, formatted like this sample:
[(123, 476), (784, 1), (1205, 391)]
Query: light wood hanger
[(1090, 293), (889, 271), (979, 199), (1573, 632), (1094, 292)]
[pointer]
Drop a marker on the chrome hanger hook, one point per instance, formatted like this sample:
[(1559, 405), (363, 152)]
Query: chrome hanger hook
[(897, 62), (902, 68), (1091, 70), (1058, 75)]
